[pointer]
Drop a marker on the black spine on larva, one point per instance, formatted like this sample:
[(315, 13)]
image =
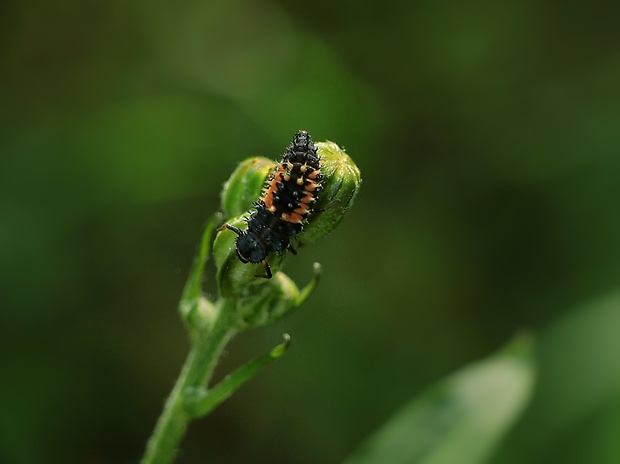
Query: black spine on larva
[(302, 150)]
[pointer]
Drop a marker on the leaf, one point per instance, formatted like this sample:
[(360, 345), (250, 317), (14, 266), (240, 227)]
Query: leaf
[(578, 353), (202, 402), (193, 286), (462, 419), (195, 310)]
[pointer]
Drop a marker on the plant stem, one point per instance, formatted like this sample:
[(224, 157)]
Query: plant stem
[(196, 373)]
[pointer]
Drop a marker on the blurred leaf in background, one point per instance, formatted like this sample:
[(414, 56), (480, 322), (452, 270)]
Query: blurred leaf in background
[(461, 419), (575, 410), (487, 134)]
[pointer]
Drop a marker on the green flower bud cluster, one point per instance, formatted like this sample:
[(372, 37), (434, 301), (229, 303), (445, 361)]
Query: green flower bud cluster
[(266, 300)]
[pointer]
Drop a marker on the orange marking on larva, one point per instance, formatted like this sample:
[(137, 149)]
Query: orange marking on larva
[(273, 186), (303, 209), (311, 186), (313, 174), (268, 200), (297, 218), (292, 217)]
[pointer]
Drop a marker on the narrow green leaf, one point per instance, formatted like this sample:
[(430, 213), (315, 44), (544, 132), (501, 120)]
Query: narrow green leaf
[(201, 402), (309, 288), (191, 300), (462, 419)]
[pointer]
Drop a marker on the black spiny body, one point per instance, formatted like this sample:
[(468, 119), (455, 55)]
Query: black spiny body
[(286, 202)]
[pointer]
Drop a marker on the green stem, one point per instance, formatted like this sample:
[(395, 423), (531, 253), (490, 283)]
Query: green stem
[(195, 374)]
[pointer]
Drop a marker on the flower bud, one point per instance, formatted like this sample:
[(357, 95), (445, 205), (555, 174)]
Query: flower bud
[(274, 300), (245, 185), (341, 183)]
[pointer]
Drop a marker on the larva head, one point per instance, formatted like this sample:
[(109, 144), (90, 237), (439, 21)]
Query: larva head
[(239, 260), (249, 248)]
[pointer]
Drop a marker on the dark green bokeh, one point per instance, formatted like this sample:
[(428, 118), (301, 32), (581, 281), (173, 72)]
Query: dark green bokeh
[(487, 136)]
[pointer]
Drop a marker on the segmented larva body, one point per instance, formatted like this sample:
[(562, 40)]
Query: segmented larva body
[(287, 200)]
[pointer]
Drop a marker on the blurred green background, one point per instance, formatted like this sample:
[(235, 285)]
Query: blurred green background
[(488, 138)]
